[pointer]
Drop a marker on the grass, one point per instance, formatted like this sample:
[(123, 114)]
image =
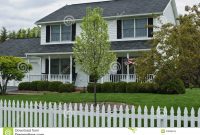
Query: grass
[(189, 100)]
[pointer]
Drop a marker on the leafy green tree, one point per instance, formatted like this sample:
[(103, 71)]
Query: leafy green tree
[(12, 68), (92, 47), (3, 34), (175, 51)]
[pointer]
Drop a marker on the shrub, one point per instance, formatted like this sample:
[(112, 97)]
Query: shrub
[(42, 85), (132, 87), (108, 87), (120, 87), (173, 86), (54, 86), (24, 86), (66, 88), (33, 85), (148, 88), (90, 88)]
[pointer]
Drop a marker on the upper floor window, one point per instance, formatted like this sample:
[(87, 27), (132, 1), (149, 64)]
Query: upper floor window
[(135, 28), (141, 27), (61, 33), (55, 33)]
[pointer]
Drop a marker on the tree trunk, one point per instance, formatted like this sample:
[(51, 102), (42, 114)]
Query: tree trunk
[(95, 93)]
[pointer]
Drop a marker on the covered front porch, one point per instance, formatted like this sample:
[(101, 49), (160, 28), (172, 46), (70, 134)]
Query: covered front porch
[(61, 67)]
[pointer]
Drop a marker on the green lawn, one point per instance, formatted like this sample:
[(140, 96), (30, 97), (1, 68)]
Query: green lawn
[(190, 99)]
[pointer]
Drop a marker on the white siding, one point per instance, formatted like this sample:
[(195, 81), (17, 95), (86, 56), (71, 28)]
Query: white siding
[(112, 29), (43, 34), (169, 14), (78, 29)]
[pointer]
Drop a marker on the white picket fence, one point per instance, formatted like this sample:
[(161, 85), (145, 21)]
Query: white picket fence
[(29, 114)]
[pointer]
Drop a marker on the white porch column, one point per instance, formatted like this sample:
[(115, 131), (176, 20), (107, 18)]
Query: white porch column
[(71, 66), (49, 75), (128, 67)]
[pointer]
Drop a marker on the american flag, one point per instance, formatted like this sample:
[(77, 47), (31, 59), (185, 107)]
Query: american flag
[(130, 62)]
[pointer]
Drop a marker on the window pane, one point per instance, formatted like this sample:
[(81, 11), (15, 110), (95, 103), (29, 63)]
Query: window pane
[(66, 32), (54, 66), (65, 66), (141, 27), (55, 33), (128, 28)]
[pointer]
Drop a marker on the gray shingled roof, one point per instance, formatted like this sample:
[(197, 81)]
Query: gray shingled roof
[(111, 8), (18, 47)]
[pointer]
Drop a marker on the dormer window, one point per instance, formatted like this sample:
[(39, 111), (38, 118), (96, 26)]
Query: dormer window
[(66, 33), (55, 33)]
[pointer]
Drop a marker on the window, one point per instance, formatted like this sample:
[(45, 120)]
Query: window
[(55, 33), (54, 66), (141, 27), (128, 28), (66, 32)]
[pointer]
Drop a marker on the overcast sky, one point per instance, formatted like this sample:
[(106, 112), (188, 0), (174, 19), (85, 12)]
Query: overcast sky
[(15, 14)]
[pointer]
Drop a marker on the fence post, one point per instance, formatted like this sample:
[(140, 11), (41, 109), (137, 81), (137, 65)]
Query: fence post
[(185, 117), (75, 115), (145, 117), (172, 117), (97, 116), (179, 117), (133, 116), (192, 118), (91, 116), (13, 114), (127, 117), (9, 113), (109, 116), (139, 116), (199, 117)]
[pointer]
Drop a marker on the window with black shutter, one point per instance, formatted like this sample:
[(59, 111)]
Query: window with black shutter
[(47, 33), (119, 29), (150, 27)]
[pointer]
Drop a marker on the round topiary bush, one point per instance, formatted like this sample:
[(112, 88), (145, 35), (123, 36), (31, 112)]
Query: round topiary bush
[(120, 87), (132, 87), (173, 86), (54, 86), (24, 86), (108, 87), (42, 85), (66, 88)]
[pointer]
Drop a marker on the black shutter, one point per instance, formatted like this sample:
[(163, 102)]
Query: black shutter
[(47, 33), (46, 66), (119, 60), (119, 29), (150, 27), (73, 32)]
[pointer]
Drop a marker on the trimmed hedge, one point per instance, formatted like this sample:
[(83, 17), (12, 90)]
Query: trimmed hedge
[(24, 86), (46, 86), (54, 86), (42, 86), (108, 87), (66, 88), (132, 87), (90, 88), (120, 87)]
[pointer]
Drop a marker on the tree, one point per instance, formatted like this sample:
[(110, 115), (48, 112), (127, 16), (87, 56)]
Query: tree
[(92, 47), (4, 34), (175, 51), (12, 68)]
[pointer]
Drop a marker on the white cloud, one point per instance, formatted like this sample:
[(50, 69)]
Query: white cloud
[(15, 14)]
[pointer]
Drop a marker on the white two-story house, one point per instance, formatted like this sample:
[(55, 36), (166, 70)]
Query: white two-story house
[(52, 56)]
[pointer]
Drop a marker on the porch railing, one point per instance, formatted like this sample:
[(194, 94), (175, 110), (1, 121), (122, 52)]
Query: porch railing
[(125, 78)]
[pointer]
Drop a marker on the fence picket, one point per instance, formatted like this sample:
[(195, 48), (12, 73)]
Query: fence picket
[(179, 117), (22, 114), (35, 114), (115, 116), (25, 114), (13, 114), (1, 113), (172, 117), (5, 114), (45, 115), (17, 115), (133, 116), (152, 117), (91, 116), (97, 116), (139, 117), (80, 115), (86, 116), (109, 116), (158, 117), (9, 113), (103, 117), (145, 116), (185, 117), (192, 122)]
